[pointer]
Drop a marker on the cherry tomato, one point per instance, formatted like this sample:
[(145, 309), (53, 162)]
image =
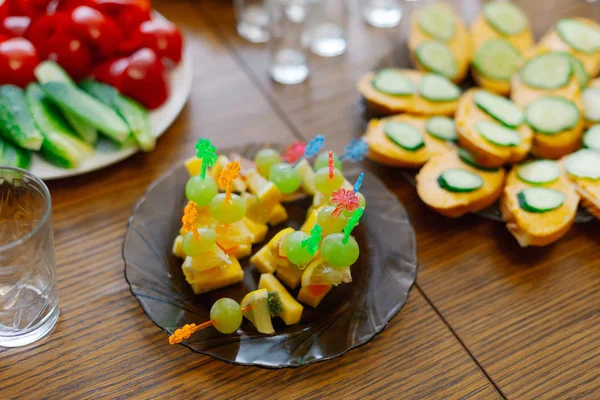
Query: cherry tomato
[(71, 53), (15, 26), (98, 30), (3, 38), (42, 29), (4, 9), (144, 79), (111, 72), (18, 59), (30, 8), (162, 37)]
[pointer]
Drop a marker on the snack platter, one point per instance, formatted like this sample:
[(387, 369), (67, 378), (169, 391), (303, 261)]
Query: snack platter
[(531, 160), (283, 296)]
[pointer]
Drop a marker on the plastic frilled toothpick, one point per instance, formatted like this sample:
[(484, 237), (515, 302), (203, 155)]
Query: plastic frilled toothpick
[(189, 219), (294, 152), (352, 222), (312, 243), (312, 148), (330, 164), (344, 200), (355, 151), (207, 153), (359, 182), (227, 176)]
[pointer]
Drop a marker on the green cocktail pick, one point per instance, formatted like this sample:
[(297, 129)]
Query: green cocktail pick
[(207, 153), (312, 243), (352, 222)]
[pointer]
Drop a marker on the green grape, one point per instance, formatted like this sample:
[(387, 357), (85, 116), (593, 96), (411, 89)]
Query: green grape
[(227, 211), (285, 177), (226, 315), (326, 185), (265, 159), (329, 223), (338, 254), (363, 203), (194, 247), (322, 161), (201, 191), (294, 250)]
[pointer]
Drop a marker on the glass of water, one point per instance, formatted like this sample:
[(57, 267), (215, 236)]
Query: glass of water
[(289, 22), (28, 290), (381, 13), (327, 34), (252, 20)]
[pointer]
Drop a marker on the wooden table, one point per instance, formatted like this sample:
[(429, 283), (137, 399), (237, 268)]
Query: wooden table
[(486, 319)]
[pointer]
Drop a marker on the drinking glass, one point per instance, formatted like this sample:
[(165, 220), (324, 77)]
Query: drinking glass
[(289, 22), (28, 292), (252, 20), (381, 13), (328, 28)]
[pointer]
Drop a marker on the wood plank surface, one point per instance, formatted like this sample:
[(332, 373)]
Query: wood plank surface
[(105, 347), (529, 317)]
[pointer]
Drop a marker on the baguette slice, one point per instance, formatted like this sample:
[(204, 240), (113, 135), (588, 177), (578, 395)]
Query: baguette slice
[(588, 189), (538, 229)]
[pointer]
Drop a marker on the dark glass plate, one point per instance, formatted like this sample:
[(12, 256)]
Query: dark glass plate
[(350, 315)]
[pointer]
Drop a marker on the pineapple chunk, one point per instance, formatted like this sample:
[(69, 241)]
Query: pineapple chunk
[(290, 276), (292, 310), (307, 174), (214, 258), (259, 313), (312, 295), (218, 166), (273, 244), (257, 211), (264, 261), (178, 247), (228, 236), (278, 215), (310, 221), (214, 278), (258, 230), (241, 251), (265, 190), (193, 166)]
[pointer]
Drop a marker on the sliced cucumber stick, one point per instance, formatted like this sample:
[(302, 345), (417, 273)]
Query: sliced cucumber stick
[(497, 59), (591, 139), (584, 163), (437, 57), (77, 102), (16, 122), (459, 180), (540, 200), (547, 71), (130, 110), (552, 115), (392, 82), (505, 17), (404, 135), (437, 88), (539, 172), (61, 146), (438, 22), (498, 134), (499, 108), (578, 35), (442, 128), (591, 104), (13, 156)]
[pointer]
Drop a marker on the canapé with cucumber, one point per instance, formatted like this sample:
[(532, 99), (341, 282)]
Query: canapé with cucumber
[(493, 128), (439, 42), (583, 168), (591, 103)]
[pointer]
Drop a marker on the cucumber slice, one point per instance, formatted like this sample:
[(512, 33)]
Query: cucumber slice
[(437, 88), (504, 17), (442, 128), (579, 71), (437, 57), (498, 134), (392, 82), (497, 59), (437, 22), (13, 156), (16, 122), (468, 158), (584, 163), (540, 200), (591, 104), (539, 171), (552, 115), (61, 145), (49, 71), (547, 71), (459, 180), (578, 35), (130, 110), (404, 135), (77, 102), (499, 108), (591, 139)]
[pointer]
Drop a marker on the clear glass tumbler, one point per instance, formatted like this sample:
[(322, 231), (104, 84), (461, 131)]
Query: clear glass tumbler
[(28, 290), (328, 28), (381, 13), (252, 20), (289, 22)]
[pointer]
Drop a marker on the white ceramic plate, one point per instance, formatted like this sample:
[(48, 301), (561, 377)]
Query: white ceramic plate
[(107, 153)]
